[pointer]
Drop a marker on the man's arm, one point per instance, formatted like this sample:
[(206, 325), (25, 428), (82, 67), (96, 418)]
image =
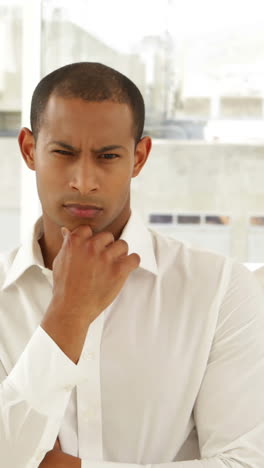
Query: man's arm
[(89, 272)]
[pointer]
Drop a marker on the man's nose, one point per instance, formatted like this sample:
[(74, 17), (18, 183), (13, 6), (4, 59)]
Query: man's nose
[(84, 176)]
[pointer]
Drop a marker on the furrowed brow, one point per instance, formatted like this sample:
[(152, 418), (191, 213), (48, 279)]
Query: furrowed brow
[(66, 146), (108, 148)]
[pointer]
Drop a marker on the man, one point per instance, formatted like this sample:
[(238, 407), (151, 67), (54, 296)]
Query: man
[(119, 346)]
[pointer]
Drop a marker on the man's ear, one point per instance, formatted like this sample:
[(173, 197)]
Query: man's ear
[(26, 142), (141, 154)]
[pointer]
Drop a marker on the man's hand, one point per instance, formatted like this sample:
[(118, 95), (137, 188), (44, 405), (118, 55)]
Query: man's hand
[(55, 458), (89, 272)]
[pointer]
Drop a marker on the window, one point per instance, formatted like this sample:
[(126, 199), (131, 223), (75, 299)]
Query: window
[(199, 66), (10, 66), (201, 230), (10, 119)]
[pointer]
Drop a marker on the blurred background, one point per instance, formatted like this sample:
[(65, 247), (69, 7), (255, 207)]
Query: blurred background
[(200, 67)]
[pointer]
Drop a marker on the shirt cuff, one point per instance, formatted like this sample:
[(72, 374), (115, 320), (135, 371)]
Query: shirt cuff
[(44, 375)]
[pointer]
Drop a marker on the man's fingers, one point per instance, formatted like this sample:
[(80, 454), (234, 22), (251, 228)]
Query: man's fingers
[(82, 231), (102, 240), (131, 262), (116, 249), (113, 250)]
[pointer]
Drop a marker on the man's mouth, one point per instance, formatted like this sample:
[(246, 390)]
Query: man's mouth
[(83, 211)]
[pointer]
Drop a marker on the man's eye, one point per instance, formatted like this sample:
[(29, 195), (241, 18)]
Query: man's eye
[(63, 152), (109, 156)]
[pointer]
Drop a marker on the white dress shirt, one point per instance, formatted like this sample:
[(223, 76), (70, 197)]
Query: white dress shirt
[(171, 373), (259, 273)]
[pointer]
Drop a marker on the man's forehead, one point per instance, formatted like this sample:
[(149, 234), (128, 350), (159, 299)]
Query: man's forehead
[(56, 100), (63, 114)]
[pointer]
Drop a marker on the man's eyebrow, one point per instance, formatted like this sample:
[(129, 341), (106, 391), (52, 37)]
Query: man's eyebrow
[(66, 146), (107, 148), (95, 150)]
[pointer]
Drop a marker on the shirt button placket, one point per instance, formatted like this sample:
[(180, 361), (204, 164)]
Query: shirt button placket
[(89, 395)]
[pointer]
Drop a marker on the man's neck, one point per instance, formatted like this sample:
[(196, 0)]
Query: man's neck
[(48, 252)]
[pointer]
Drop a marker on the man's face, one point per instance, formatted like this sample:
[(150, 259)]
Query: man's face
[(84, 159)]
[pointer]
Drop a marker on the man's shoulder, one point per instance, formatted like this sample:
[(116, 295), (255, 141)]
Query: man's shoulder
[(184, 251), (197, 268)]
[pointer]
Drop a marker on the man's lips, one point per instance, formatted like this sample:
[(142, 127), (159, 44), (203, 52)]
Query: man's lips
[(83, 211)]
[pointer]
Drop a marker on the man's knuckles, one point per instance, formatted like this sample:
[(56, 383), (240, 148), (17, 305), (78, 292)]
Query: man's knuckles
[(126, 264), (94, 243), (133, 261), (101, 241), (117, 249)]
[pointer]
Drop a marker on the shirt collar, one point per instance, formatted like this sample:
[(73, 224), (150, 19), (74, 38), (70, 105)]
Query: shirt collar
[(139, 240), (29, 254)]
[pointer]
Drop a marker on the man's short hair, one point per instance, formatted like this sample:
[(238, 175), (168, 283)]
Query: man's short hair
[(89, 81)]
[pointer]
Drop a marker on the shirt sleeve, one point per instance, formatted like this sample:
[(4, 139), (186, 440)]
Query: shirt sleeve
[(229, 409), (33, 400)]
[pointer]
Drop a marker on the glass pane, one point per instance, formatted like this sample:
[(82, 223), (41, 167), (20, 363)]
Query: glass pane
[(199, 66), (200, 79), (10, 116), (138, 48), (217, 220), (257, 221), (188, 219), (10, 66), (156, 218)]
